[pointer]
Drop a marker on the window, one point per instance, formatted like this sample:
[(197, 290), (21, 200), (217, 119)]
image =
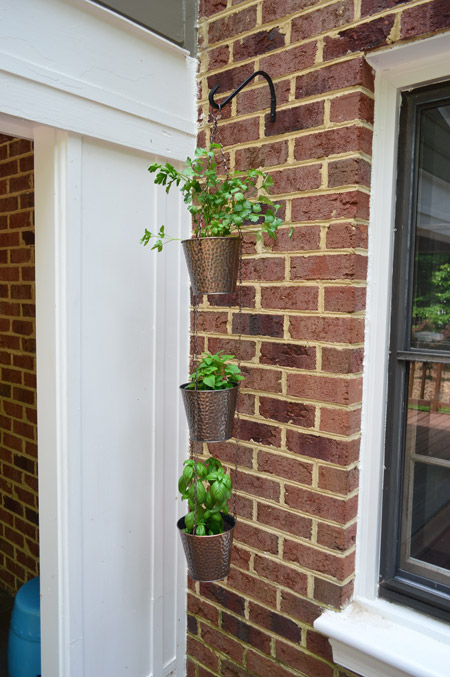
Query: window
[(415, 555)]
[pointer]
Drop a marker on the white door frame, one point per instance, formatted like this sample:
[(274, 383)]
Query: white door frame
[(55, 109)]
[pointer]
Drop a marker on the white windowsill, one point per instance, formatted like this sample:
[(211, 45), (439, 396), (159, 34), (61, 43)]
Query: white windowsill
[(379, 638)]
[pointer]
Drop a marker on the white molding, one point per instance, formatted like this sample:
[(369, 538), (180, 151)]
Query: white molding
[(93, 72), (371, 636)]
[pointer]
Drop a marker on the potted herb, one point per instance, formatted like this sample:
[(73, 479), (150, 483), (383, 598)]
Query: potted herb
[(220, 206), (210, 398), (207, 530)]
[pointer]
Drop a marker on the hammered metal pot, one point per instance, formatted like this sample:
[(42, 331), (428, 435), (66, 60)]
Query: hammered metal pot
[(208, 557), (213, 264), (210, 413)]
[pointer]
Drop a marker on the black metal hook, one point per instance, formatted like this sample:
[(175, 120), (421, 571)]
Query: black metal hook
[(273, 99)]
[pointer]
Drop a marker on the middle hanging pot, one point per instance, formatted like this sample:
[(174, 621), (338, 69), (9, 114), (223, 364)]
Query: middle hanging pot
[(213, 264), (210, 413)]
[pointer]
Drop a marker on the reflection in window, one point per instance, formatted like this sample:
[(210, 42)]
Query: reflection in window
[(426, 522), (431, 289)]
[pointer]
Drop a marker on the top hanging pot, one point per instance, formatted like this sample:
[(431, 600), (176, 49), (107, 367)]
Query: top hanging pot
[(213, 264)]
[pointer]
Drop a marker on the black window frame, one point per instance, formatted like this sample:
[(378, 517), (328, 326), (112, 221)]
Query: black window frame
[(395, 584)]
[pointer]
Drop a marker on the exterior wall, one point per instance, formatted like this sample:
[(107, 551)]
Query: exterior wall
[(19, 537), (303, 337)]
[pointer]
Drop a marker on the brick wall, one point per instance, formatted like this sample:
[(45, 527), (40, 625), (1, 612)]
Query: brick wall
[(19, 539), (304, 302)]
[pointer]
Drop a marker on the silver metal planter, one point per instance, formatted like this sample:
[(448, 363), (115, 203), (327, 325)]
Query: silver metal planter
[(213, 264), (208, 557), (210, 413)]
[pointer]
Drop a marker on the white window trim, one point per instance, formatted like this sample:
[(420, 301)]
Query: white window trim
[(372, 636)]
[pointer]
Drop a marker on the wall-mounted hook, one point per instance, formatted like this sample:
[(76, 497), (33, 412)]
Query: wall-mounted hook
[(273, 99)]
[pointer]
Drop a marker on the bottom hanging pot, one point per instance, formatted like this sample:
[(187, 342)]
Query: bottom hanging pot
[(213, 263), (208, 557), (210, 413)]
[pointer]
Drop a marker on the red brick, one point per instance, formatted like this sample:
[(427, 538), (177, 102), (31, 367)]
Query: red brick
[(355, 72), (26, 164), (8, 169), (267, 380), (212, 321), (322, 20), (241, 557), (231, 25), (258, 325), (198, 650), (344, 299), (256, 538), (338, 480), (28, 274), (258, 98), (331, 593), (325, 388), (266, 155), (300, 238), (320, 505), (277, 572), (274, 9), (318, 560), (339, 452), (209, 7), (288, 355), (261, 433), (336, 538), (225, 598), (13, 442), (347, 172), (229, 669), (24, 430), (261, 665), (360, 38), (353, 106), (307, 665), (296, 118), (8, 204), (20, 255), (21, 291), (13, 409), (9, 274), (351, 204), (329, 267), (226, 452), (268, 269), (329, 329), (20, 220), (20, 147), (252, 587), (275, 622), (295, 413), (218, 57), (284, 520), (319, 645), (246, 296), (246, 404), (287, 61), (236, 132), (245, 350), (22, 395), (333, 141), (340, 421), (427, 18), (296, 179), (290, 298), (201, 608), (258, 43), (256, 485), (246, 633), (11, 376), (342, 360), (222, 643)]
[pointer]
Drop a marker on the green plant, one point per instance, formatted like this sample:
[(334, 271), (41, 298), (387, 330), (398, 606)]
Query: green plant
[(207, 488), (219, 205), (213, 373)]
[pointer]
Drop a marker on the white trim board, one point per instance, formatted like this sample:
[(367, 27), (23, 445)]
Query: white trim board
[(374, 637)]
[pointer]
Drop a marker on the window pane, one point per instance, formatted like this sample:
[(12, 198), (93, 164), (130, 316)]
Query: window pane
[(426, 509), (431, 286)]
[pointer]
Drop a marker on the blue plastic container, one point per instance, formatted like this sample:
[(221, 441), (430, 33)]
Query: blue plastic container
[(24, 644)]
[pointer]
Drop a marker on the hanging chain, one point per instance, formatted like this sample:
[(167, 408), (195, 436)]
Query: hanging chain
[(194, 364), (238, 418)]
